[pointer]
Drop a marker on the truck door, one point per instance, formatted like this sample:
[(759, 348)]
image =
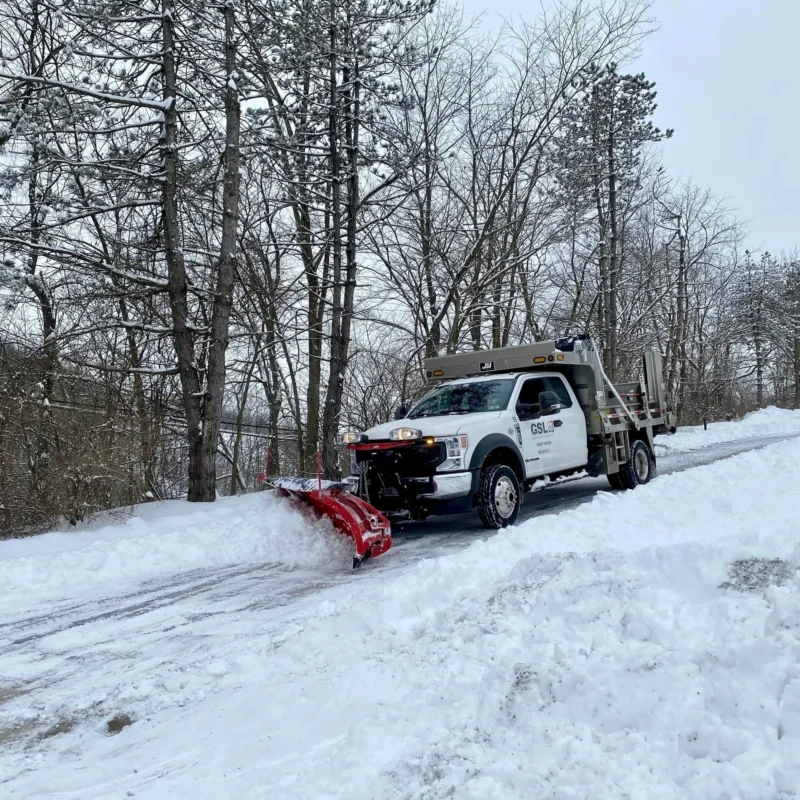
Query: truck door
[(569, 437), (537, 431), (551, 442)]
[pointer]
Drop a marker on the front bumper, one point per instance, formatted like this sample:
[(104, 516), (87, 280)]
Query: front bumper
[(449, 485), (446, 486), (398, 476)]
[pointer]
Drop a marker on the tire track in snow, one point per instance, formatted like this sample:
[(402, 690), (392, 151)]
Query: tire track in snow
[(126, 605)]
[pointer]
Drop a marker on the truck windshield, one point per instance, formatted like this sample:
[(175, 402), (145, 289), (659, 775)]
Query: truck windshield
[(464, 398)]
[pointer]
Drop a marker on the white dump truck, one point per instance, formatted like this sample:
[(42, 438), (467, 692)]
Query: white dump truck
[(497, 421)]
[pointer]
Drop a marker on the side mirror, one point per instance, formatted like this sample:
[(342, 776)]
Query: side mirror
[(401, 412), (549, 403)]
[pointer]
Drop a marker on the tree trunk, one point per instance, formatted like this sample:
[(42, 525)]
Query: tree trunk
[(237, 442), (226, 270), (272, 384), (146, 438), (476, 299), (759, 350), (202, 404), (434, 341), (795, 306), (176, 267), (510, 311), (603, 300), (613, 260), (307, 444), (330, 421), (316, 311), (679, 346), (36, 283), (796, 353)]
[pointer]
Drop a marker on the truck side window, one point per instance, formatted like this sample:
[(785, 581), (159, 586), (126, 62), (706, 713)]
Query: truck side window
[(557, 385), (528, 402)]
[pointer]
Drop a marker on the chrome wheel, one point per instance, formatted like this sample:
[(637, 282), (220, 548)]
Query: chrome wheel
[(505, 497), (641, 463)]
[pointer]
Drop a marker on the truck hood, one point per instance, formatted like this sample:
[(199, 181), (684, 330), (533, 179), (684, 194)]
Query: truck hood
[(447, 425)]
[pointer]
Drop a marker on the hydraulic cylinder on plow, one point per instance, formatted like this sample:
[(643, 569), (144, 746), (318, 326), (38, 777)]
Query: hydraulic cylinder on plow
[(352, 516)]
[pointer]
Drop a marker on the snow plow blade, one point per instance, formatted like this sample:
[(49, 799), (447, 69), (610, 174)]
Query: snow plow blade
[(365, 525)]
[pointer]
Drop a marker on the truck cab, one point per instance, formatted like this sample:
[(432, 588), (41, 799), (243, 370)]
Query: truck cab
[(430, 460), (477, 441)]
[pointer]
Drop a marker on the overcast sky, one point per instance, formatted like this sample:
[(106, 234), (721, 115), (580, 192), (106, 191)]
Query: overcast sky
[(728, 81)]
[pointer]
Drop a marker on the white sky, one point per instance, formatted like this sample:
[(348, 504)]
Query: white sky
[(727, 74)]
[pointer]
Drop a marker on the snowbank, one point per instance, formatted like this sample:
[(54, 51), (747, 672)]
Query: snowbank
[(155, 539), (165, 538), (644, 645), (638, 646), (767, 422)]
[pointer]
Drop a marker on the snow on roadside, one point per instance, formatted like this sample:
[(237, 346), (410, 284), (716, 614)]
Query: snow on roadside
[(767, 422), (167, 538), (601, 652), (646, 644)]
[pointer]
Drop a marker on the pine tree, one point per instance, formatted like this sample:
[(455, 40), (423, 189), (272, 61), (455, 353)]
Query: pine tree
[(607, 128)]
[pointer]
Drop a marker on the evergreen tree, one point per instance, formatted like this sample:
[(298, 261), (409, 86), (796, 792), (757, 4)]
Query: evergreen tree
[(607, 127)]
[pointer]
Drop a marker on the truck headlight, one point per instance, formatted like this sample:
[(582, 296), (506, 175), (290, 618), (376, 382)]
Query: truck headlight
[(405, 434), (351, 437), (456, 451)]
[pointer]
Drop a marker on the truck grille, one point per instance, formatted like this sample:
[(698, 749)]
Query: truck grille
[(407, 461)]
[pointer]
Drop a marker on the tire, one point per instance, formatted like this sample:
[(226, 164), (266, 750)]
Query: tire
[(499, 496), (639, 469)]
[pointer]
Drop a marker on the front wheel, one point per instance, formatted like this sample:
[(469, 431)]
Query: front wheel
[(499, 497), (639, 468)]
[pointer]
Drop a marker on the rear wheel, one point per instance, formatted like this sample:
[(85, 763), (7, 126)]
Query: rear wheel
[(639, 468), (499, 496)]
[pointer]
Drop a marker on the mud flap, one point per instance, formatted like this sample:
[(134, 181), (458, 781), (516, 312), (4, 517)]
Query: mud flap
[(595, 466)]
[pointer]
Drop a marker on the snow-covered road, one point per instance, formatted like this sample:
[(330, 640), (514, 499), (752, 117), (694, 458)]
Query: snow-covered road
[(174, 621), (230, 646)]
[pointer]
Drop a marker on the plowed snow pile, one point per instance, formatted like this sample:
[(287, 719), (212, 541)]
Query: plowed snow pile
[(767, 422), (643, 645), (166, 538), (541, 664)]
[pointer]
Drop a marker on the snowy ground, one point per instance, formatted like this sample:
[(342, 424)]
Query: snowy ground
[(767, 422), (643, 644)]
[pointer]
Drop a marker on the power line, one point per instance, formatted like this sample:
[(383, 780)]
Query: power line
[(174, 417)]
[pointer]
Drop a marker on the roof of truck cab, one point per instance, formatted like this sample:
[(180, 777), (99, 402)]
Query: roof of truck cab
[(554, 353)]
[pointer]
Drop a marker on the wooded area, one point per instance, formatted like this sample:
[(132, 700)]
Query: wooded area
[(233, 227)]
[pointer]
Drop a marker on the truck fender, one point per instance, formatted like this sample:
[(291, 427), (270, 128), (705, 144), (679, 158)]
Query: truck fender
[(646, 435), (651, 441), (495, 441)]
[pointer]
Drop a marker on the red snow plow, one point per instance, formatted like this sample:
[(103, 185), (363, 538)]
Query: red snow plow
[(350, 515)]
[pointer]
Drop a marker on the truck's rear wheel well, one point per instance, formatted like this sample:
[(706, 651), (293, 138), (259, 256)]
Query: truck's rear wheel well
[(506, 456), (644, 434)]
